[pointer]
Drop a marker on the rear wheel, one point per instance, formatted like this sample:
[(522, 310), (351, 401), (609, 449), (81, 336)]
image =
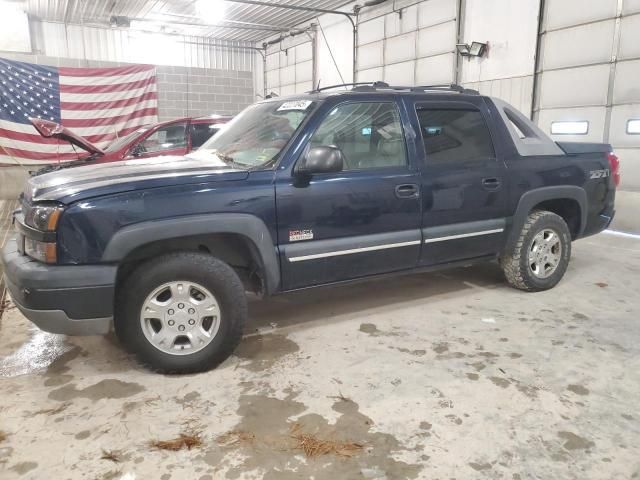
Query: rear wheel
[(182, 312), (540, 256)]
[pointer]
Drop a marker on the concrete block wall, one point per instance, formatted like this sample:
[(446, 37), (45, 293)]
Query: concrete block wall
[(190, 91)]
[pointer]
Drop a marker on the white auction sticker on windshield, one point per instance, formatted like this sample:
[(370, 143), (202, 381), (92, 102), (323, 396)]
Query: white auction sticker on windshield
[(295, 105)]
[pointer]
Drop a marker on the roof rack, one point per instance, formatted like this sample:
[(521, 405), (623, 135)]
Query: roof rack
[(375, 86), (355, 85)]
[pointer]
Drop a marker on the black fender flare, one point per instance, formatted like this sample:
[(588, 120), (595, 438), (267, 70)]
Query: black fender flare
[(533, 197), (131, 237)]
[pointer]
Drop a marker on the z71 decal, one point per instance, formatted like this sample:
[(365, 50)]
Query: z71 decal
[(297, 235), (599, 173)]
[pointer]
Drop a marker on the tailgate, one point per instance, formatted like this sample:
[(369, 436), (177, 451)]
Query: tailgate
[(573, 148)]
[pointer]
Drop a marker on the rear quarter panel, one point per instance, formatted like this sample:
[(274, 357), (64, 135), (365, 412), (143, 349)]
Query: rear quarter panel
[(529, 173)]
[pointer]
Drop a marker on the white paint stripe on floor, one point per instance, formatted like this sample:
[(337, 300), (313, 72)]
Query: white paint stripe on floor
[(622, 234)]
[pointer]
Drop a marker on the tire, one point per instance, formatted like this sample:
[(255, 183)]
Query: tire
[(518, 265), (204, 285)]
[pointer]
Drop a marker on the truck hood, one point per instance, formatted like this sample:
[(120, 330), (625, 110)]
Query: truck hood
[(54, 130), (108, 178)]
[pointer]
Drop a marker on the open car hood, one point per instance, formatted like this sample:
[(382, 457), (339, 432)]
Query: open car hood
[(50, 129)]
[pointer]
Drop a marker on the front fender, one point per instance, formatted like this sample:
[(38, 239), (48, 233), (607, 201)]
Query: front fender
[(133, 236)]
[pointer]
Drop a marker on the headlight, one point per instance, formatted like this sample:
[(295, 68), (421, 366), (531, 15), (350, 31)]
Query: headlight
[(42, 251), (43, 217), (39, 234)]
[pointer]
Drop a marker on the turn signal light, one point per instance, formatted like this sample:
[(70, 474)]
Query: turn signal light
[(42, 251)]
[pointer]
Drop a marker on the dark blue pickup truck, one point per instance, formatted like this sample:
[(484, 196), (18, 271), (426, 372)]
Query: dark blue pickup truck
[(298, 192)]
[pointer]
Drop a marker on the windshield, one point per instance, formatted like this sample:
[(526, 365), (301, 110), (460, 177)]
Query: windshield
[(122, 141), (256, 136)]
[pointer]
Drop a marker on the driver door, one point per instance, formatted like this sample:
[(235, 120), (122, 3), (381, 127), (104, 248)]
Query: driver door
[(363, 220), (166, 140)]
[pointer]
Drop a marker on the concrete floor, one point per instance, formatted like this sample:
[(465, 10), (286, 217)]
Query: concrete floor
[(444, 375)]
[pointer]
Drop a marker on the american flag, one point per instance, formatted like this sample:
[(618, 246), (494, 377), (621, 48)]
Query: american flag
[(100, 104)]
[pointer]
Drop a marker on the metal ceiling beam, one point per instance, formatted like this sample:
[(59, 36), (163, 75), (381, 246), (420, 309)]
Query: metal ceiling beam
[(221, 45), (191, 17), (296, 7), (211, 25)]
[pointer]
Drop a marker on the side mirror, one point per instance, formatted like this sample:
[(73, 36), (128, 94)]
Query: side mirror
[(325, 159)]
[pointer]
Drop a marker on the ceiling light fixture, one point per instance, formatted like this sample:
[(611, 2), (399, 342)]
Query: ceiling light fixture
[(119, 21), (211, 10)]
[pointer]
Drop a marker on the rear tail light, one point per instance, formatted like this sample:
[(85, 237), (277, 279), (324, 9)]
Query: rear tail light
[(614, 163)]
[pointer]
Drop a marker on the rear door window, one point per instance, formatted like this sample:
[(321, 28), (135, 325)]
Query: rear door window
[(454, 135)]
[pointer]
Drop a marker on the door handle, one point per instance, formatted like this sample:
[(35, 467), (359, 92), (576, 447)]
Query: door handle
[(407, 190), (491, 183)]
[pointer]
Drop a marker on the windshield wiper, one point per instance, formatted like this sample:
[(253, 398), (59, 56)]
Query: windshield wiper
[(228, 159)]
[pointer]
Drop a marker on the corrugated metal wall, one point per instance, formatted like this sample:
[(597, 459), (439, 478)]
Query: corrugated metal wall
[(589, 70), (506, 70), (118, 45), (588, 67), (290, 65), (408, 43), (403, 42)]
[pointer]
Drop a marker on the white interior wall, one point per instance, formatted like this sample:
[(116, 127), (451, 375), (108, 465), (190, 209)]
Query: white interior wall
[(333, 53), (334, 50), (408, 42), (589, 70), (401, 42), (14, 25), (588, 67), (510, 29), (289, 67)]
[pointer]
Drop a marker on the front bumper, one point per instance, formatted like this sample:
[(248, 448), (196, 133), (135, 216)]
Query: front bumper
[(67, 299)]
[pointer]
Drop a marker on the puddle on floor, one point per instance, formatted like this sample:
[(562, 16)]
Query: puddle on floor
[(35, 355)]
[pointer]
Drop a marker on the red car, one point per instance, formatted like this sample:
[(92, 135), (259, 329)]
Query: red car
[(174, 137)]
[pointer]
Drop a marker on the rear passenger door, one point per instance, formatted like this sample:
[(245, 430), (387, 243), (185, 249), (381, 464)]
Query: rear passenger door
[(463, 183), (361, 221)]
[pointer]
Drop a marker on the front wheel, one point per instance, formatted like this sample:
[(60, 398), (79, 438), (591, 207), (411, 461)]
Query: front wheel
[(182, 312), (540, 256)]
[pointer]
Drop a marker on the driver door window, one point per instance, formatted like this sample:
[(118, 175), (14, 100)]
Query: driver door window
[(164, 140), (369, 134)]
